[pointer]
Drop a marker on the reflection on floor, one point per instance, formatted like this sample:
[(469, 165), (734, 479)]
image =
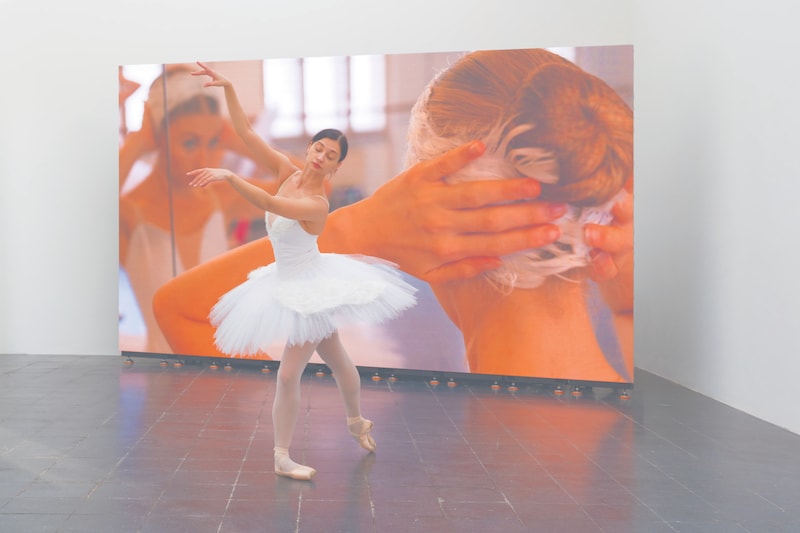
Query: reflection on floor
[(91, 444)]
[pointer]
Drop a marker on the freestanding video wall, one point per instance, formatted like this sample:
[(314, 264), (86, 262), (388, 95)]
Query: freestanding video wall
[(523, 258)]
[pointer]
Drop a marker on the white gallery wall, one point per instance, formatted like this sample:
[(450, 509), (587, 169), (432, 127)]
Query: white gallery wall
[(717, 223), (715, 138)]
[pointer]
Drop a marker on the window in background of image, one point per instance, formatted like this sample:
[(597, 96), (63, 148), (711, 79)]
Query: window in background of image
[(304, 95), (567, 52), (134, 105), (131, 117)]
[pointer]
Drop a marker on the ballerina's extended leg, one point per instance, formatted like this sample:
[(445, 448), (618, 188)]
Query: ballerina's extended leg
[(347, 379)]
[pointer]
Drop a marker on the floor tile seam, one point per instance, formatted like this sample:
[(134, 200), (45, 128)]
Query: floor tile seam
[(307, 425), (300, 500), (782, 509), (619, 484), (746, 489), (617, 407), (555, 478), (146, 515), (220, 401), (659, 436), (141, 519), (677, 481), (591, 518), (77, 443), (245, 457), (511, 505), (402, 415), (508, 431), (726, 445), (28, 362), (443, 502), (128, 452), (411, 437), (161, 418), (522, 445), (669, 522), (66, 455), (372, 507), (615, 529), (471, 448), (455, 426), (31, 482), (719, 442)]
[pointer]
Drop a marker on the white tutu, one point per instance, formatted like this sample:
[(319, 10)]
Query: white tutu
[(305, 295)]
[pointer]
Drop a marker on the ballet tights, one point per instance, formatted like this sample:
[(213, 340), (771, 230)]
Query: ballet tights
[(286, 405), (344, 372)]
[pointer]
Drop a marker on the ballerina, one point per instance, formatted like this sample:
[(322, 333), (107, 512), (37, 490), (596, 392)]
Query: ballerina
[(304, 296)]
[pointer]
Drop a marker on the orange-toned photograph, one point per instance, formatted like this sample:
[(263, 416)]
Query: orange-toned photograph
[(453, 212)]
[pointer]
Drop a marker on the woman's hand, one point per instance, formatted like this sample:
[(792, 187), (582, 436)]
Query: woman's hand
[(203, 176), (217, 79), (439, 231), (612, 255)]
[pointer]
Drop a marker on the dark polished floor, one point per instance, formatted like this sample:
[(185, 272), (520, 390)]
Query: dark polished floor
[(91, 444)]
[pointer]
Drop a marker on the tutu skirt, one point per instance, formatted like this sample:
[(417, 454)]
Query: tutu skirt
[(308, 302)]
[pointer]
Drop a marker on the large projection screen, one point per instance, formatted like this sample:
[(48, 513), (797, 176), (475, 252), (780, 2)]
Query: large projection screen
[(560, 116)]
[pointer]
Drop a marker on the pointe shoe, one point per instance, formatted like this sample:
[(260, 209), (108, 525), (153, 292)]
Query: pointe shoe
[(285, 467), (360, 430)]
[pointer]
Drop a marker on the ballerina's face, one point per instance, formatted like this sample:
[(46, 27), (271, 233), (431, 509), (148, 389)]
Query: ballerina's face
[(194, 142), (323, 155)]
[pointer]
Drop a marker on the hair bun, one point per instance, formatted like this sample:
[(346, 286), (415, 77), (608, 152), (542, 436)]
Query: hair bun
[(584, 124)]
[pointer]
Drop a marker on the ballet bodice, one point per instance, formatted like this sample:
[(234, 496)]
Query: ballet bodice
[(292, 245)]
